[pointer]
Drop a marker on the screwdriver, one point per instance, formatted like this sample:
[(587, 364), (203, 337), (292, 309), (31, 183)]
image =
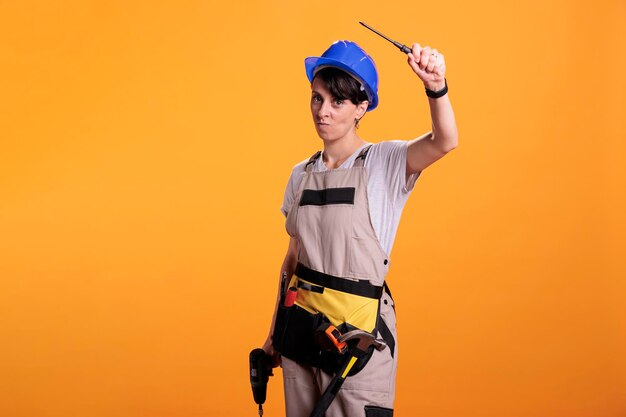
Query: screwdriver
[(400, 46)]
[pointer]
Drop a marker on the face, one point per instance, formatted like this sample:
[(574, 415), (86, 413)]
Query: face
[(334, 118)]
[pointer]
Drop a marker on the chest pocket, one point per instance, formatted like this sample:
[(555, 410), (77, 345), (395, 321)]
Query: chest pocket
[(324, 221)]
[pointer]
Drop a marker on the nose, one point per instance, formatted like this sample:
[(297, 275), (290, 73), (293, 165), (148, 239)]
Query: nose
[(323, 110)]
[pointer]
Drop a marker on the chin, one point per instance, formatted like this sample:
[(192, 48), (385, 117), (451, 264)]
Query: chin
[(327, 136), (324, 135)]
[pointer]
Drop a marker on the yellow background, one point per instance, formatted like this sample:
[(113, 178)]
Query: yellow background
[(145, 146)]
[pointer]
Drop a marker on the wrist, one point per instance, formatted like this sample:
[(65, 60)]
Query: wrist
[(436, 90), (435, 85)]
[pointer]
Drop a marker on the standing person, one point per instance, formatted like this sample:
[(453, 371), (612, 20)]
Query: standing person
[(343, 207)]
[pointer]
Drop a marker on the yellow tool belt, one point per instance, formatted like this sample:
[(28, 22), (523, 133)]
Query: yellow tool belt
[(321, 298), (355, 303)]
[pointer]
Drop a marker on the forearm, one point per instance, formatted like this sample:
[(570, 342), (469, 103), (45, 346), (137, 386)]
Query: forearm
[(430, 67), (445, 134), (287, 269)]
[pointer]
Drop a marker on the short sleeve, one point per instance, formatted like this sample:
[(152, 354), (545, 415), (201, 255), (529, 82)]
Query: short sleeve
[(292, 187), (289, 196), (398, 160), (390, 158)]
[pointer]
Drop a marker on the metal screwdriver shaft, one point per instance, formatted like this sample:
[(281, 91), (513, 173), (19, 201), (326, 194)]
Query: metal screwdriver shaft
[(400, 46)]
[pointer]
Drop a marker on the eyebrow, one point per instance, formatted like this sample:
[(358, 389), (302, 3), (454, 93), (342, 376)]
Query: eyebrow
[(318, 93), (331, 96)]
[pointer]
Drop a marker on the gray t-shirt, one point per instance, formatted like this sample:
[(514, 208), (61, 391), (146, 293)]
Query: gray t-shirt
[(388, 187)]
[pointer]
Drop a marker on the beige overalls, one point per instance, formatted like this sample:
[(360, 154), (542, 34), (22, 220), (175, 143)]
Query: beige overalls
[(338, 249)]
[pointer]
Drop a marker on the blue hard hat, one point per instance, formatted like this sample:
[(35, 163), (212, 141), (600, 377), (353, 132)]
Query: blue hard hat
[(350, 57)]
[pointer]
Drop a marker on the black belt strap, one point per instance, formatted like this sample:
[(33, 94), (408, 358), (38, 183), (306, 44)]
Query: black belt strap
[(361, 287), (387, 336)]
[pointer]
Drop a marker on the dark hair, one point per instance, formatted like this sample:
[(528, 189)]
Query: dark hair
[(342, 85)]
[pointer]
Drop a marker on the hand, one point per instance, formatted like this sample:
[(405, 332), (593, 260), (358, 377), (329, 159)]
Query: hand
[(429, 66), (269, 350)]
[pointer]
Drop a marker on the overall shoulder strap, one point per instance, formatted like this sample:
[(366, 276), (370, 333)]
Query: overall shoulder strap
[(309, 165), (360, 160)]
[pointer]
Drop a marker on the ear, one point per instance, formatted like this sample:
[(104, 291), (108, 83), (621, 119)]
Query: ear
[(361, 108)]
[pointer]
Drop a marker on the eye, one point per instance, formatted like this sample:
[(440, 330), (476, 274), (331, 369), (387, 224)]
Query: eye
[(338, 102), (316, 98)]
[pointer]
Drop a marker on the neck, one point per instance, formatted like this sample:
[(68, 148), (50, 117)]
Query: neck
[(337, 151)]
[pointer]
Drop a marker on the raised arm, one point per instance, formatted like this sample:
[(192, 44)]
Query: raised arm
[(430, 67)]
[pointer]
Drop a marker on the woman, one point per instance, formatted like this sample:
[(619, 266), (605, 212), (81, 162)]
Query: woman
[(343, 207)]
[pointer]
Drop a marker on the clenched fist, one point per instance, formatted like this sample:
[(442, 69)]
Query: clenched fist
[(429, 65)]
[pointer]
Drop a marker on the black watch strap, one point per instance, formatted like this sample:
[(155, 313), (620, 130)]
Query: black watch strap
[(440, 93)]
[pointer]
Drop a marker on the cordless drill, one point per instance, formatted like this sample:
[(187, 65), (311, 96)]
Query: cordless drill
[(260, 372)]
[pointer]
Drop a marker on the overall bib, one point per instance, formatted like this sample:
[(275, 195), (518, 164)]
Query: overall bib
[(340, 279)]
